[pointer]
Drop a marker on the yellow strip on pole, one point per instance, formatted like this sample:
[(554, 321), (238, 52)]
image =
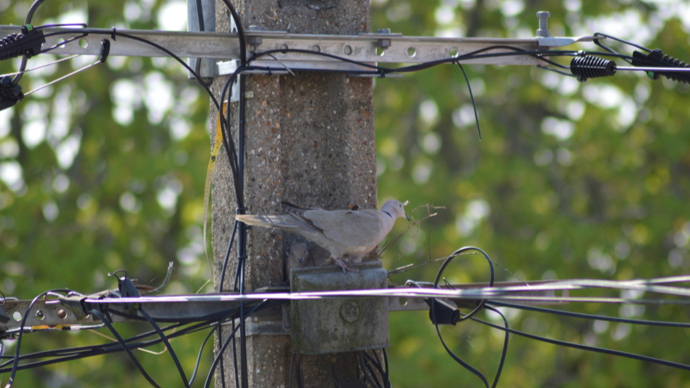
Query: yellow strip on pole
[(209, 172)]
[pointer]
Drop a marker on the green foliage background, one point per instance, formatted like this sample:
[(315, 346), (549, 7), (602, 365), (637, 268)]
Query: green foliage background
[(571, 180)]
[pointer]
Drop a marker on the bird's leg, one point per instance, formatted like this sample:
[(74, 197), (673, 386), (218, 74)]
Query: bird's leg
[(344, 266)]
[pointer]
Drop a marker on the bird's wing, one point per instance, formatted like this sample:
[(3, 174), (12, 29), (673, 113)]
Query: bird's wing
[(355, 229)]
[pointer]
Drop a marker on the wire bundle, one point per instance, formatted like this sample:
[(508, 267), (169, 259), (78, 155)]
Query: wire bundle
[(444, 317), (372, 371)]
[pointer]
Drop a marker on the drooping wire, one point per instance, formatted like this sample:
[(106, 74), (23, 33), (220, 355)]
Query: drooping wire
[(126, 348), (224, 346), (505, 346), (474, 106), (591, 316), (589, 348), (167, 345), (479, 306), (15, 363)]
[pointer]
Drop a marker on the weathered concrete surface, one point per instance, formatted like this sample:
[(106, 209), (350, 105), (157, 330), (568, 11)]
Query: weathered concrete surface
[(310, 141)]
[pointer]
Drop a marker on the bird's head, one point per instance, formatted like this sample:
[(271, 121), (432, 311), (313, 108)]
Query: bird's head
[(395, 208)]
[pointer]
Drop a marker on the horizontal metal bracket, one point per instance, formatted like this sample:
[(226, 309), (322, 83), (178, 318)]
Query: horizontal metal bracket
[(380, 48)]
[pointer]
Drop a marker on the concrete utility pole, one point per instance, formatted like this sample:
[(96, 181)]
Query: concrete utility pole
[(309, 140)]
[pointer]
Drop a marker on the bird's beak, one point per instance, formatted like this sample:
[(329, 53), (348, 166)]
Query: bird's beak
[(406, 216)]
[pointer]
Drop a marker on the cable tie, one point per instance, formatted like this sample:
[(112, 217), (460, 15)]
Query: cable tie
[(112, 34)]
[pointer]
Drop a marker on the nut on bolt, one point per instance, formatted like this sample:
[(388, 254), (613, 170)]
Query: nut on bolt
[(543, 30), (384, 43), (254, 40)]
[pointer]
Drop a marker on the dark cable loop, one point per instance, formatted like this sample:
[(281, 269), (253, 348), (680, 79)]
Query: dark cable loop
[(480, 305), (449, 259), (505, 346), (124, 346), (167, 346)]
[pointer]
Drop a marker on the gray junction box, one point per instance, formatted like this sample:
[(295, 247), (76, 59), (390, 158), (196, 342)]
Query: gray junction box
[(338, 324)]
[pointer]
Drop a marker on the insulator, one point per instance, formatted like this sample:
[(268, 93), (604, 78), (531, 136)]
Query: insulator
[(9, 94), (585, 67), (656, 58), (28, 42)]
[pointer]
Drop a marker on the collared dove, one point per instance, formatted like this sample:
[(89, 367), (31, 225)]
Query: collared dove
[(347, 234)]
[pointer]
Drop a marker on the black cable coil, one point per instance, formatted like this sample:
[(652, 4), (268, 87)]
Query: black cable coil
[(585, 67), (656, 58), (28, 42)]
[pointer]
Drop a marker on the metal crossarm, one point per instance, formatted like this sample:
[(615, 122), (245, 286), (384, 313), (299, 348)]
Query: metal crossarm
[(384, 48)]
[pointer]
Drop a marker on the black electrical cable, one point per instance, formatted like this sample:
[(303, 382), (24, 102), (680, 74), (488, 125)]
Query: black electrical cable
[(239, 197), (623, 41), (15, 363), (382, 71), (555, 71), (474, 106), (167, 346), (479, 306), (238, 187), (367, 371), (225, 345), (198, 357), (29, 16), (453, 256), (590, 348), (591, 316), (124, 346), (598, 43), (96, 350), (366, 363), (240, 31), (505, 346)]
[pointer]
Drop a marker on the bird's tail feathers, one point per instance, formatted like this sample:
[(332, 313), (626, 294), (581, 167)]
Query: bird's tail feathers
[(265, 221)]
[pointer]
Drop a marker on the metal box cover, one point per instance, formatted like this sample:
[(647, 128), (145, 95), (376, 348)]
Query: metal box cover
[(338, 324)]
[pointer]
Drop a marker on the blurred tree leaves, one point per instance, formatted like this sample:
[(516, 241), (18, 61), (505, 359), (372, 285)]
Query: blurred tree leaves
[(112, 168), (571, 180)]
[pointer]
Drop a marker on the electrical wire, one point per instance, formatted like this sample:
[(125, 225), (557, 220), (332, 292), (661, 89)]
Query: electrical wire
[(505, 346), (96, 350), (591, 316), (479, 306), (167, 346), (126, 348), (474, 106), (15, 364), (589, 348), (225, 345), (25, 58)]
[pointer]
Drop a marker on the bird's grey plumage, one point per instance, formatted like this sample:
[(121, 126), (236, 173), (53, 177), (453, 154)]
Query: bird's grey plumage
[(298, 256), (347, 234)]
